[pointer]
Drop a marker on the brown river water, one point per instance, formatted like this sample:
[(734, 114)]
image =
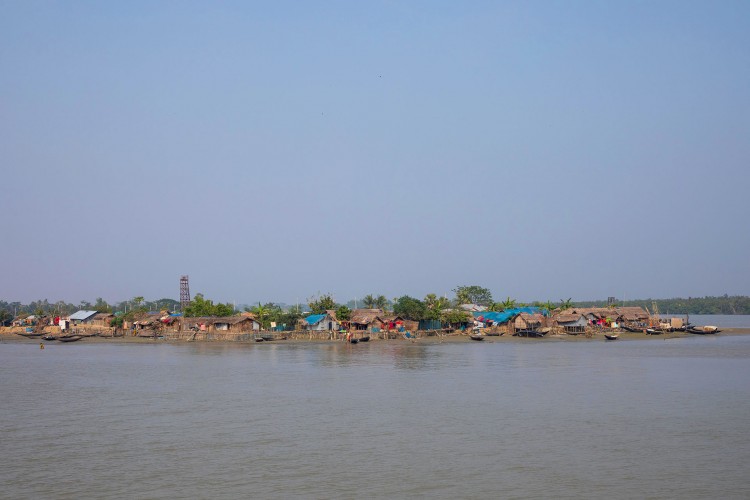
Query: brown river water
[(629, 419)]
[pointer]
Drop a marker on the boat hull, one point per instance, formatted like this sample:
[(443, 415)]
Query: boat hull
[(71, 338)]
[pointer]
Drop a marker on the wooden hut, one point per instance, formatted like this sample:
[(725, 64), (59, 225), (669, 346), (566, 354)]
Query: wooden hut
[(367, 319), (102, 319), (572, 322), (234, 324), (526, 321)]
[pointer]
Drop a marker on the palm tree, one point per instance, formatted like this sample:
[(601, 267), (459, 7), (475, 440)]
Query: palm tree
[(566, 304), (432, 301), (548, 306), (368, 301), (260, 312), (381, 302), (509, 303)]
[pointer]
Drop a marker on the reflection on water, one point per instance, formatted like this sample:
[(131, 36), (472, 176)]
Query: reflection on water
[(655, 418)]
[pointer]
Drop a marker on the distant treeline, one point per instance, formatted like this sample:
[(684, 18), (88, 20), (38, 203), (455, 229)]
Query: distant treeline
[(9, 310), (737, 304)]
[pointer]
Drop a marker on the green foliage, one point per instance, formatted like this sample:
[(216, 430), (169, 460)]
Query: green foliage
[(725, 304), (261, 314), (274, 313), (455, 316), (269, 313), (200, 306), (368, 301), (321, 304), (102, 306), (381, 302), (548, 306), (372, 302), (473, 294), (290, 318), (566, 304), (343, 313), (434, 306), (117, 322), (410, 308)]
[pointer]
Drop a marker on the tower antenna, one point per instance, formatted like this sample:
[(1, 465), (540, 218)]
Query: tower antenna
[(184, 293)]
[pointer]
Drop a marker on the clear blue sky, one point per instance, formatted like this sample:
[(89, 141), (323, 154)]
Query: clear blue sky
[(272, 150)]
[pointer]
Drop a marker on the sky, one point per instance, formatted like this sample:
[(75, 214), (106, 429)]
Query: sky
[(276, 150)]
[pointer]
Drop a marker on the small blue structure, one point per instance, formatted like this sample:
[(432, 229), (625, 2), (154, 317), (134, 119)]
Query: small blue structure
[(322, 322)]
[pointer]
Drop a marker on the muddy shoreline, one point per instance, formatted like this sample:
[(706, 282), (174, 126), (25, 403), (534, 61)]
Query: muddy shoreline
[(12, 337)]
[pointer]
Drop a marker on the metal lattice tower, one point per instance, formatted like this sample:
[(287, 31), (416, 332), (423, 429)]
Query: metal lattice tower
[(184, 292)]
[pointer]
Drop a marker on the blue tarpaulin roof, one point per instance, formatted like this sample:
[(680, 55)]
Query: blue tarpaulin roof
[(315, 318), (505, 316)]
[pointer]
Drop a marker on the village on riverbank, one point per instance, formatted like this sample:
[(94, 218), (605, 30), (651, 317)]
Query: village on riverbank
[(471, 321), (472, 314)]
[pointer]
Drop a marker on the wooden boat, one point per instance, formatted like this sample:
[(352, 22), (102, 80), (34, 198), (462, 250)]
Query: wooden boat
[(49, 337), (268, 337), (69, 338), (631, 329), (31, 335), (353, 341), (530, 333), (477, 336), (365, 339), (611, 336), (653, 331), (257, 338), (703, 330)]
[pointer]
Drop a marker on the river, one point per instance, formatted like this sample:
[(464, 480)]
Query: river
[(630, 419)]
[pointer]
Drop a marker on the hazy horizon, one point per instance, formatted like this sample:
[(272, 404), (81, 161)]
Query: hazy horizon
[(274, 150)]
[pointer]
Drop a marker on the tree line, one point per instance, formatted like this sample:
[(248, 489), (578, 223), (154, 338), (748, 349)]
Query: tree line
[(725, 304), (431, 307)]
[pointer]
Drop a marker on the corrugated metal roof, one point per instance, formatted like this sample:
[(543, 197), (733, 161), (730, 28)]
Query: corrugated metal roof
[(82, 315)]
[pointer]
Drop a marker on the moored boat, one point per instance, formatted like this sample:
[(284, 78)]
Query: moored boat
[(31, 335), (477, 336), (632, 329), (530, 333), (703, 330), (366, 338), (611, 336), (69, 338)]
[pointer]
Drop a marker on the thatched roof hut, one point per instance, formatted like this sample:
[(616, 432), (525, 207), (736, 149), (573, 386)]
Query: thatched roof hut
[(366, 319), (237, 323), (571, 321), (633, 313), (526, 321)]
